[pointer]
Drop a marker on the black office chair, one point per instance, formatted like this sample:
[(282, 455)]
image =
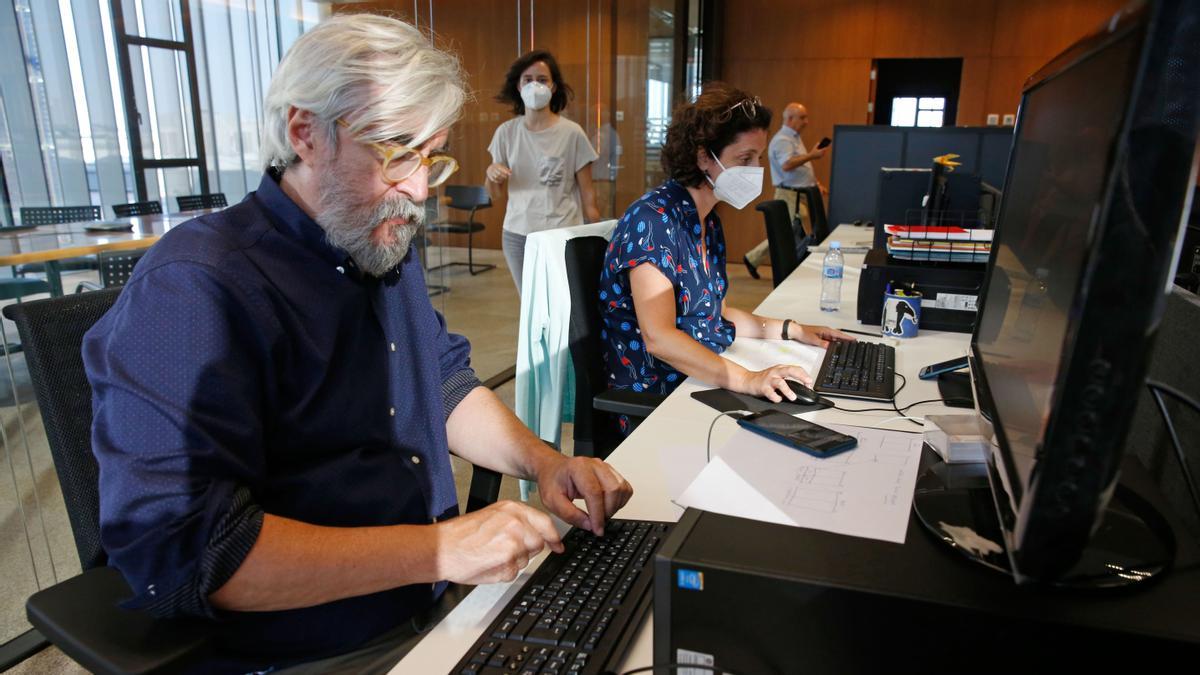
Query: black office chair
[(115, 269), (469, 198), (80, 615), (816, 213), (212, 200), (781, 239), (1174, 362), (55, 215), (137, 209), (596, 406)]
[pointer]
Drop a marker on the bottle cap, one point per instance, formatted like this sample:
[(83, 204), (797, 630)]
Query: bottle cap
[(835, 244)]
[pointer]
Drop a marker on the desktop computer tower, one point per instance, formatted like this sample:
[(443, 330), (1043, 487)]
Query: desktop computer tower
[(752, 597)]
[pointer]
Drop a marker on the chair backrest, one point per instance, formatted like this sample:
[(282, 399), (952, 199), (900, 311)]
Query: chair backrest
[(816, 214), (117, 266), (468, 197), (52, 336), (595, 432), (137, 209), (213, 200), (53, 215), (1174, 361), (781, 240)]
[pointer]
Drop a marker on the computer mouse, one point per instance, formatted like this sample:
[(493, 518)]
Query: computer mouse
[(804, 395)]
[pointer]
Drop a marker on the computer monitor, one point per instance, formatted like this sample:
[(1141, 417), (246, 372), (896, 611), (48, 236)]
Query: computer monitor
[(1101, 170)]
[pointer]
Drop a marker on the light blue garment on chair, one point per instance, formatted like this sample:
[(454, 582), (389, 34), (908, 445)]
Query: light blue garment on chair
[(545, 382)]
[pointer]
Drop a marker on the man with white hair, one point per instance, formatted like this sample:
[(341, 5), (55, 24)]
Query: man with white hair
[(276, 399)]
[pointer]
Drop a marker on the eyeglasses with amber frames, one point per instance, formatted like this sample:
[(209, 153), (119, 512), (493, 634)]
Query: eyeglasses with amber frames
[(400, 162)]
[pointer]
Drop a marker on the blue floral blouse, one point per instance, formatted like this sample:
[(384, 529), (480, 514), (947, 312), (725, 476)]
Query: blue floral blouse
[(663, 229)]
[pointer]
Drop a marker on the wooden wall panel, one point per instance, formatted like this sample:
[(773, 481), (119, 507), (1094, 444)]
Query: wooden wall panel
[(1001, 44), (818, 52)]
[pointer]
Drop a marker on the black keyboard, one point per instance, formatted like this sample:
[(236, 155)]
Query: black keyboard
[(858, 370), (580, 609)]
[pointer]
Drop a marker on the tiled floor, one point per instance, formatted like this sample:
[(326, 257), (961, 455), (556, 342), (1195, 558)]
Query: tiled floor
[(484, 308)]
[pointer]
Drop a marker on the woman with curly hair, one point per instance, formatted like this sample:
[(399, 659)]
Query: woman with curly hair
[(663, 286), (540, 159)]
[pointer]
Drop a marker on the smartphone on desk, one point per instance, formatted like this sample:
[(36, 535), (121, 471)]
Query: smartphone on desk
[(802, 435), (932, 371)]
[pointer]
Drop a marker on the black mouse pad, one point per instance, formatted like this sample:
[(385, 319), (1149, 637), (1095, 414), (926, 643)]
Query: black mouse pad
[(725, 400)]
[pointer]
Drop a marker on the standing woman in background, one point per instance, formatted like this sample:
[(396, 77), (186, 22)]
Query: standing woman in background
[(540, 159)]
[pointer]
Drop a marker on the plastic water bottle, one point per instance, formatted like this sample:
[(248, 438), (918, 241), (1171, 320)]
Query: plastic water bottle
[(831, 278)]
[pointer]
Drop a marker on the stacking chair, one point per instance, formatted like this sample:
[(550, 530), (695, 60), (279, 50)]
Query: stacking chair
[(469, 198), (80, 615), (115, 269), (54, 215), (781, 239), (596, 406), (137, 209), (212, 200)]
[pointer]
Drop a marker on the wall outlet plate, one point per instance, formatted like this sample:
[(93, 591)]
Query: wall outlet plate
[(1010, 119), (993, 119)]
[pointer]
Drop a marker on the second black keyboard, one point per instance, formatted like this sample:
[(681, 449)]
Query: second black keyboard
[(579, 610), (858, 369)]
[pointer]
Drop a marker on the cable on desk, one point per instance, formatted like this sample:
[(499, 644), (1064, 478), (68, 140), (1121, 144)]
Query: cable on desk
[(676, 666), (708, 443), (900, 412), (1157, 389)]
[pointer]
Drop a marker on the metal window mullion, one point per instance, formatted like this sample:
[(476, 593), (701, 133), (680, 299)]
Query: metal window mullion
[(212, 115), (194, 88), (127, 92), (237, 99)]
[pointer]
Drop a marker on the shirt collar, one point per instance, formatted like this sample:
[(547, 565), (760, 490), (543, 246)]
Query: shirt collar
[(788, 131), (680, 197), (294, 223)]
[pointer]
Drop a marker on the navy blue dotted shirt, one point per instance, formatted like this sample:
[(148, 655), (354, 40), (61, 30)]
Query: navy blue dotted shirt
[(248, 368), (662, 229)]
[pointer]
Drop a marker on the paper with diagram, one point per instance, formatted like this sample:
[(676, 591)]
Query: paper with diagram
[(866, 492)]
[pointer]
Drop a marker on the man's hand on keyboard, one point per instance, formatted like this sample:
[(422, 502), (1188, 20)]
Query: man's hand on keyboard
[(494, 543), (565, 479)]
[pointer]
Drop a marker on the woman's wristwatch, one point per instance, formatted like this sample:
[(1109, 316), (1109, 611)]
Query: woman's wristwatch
[(784, 333)]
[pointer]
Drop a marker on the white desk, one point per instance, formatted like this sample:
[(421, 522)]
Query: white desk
[(674, 436)]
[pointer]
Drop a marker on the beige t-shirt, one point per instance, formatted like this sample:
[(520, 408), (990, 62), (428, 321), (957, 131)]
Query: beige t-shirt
[(542, 193)]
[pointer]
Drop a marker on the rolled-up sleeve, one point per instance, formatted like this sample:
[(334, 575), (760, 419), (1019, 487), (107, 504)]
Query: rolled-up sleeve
[(458, 378), (178, 371)]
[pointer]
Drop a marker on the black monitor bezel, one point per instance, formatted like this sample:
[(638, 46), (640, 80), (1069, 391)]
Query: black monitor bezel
[(1016, 505)]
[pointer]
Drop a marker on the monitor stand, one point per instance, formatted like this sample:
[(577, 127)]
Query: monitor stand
[(1133, 544)]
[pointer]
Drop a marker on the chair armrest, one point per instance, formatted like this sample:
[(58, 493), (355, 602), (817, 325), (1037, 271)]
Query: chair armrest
[(628, 402), (81, 617)]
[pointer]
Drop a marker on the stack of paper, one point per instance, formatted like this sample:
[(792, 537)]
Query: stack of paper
[(920, 242), (866, 492)]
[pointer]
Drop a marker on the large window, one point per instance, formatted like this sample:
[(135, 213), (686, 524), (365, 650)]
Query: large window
[(925, 111), (64, 129)]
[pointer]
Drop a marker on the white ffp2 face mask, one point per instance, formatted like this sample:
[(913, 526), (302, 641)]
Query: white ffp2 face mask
[(535, 95), (737, 185)]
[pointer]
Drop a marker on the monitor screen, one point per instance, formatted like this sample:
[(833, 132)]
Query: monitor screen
[(1052, 203)]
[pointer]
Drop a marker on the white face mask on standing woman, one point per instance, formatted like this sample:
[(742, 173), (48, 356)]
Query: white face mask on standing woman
[(737, 185), (535, 95)]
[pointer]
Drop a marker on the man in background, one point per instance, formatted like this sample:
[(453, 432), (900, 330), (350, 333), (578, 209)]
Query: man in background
[(791, 171)]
